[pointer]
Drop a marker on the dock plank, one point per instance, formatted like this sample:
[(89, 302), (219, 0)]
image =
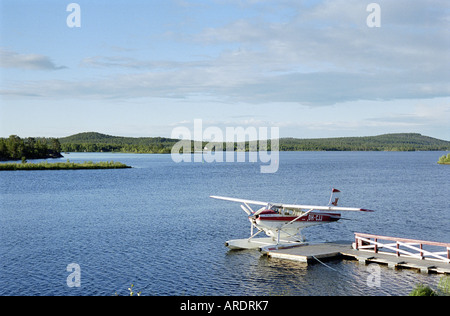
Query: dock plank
[(308, 253)]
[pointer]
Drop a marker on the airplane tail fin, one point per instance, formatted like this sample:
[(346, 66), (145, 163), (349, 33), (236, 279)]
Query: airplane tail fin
[(334, 198)]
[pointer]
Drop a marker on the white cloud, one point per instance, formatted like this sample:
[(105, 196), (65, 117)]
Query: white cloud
[(319, 54), (11, 59)]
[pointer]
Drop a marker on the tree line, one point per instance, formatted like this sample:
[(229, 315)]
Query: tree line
[(161, 148), (124, 148), (96, 142), (387, 142), (16, 148)]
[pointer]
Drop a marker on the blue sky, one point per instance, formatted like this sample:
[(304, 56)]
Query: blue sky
[(142, 68)]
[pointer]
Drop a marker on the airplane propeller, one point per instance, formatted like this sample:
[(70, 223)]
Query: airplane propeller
[(262, 209)]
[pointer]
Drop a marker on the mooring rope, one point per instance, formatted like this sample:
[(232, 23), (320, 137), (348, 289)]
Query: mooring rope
[(327, 265)]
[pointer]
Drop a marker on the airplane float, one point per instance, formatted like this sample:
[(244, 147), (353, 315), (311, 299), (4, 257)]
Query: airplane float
[(283, 223)]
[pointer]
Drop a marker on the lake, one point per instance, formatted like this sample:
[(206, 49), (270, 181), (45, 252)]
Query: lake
[(155, 226)]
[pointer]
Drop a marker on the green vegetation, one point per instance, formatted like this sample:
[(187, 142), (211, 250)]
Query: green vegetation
[(62, 166), (386, 142), (16, 148), (444, 160), (96, 142), (132, 291), (422, 290), (443, 288)]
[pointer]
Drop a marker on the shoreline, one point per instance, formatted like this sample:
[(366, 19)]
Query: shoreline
[(62, 166)]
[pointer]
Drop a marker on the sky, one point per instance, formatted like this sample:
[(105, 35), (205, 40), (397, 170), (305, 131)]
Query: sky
[(143, 68)]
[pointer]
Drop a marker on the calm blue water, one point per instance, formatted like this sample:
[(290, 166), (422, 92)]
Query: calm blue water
[(156, 227)]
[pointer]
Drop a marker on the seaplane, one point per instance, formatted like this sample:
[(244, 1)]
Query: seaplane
[(283, 223)]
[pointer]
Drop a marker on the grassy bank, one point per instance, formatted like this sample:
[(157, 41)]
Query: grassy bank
[(444, 160), (62, 165)]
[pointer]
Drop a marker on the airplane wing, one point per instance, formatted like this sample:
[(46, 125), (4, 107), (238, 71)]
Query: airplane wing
[(294, 206), (239, 200), (324, 208)]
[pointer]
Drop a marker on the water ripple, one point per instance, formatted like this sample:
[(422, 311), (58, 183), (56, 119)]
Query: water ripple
[(155, 226)]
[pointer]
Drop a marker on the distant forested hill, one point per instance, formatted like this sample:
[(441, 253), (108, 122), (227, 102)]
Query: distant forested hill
[(386, 142), (96, 142), (16, 148)]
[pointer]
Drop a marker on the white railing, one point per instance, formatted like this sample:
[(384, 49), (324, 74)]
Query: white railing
[(419, 249)]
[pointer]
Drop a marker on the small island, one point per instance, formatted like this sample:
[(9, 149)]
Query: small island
[(444, 160), (62, 165)]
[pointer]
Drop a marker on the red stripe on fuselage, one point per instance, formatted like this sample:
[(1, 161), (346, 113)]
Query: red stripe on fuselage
[(311, 217)]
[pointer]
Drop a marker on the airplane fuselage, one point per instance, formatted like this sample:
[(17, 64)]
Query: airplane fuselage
[(287, 223)]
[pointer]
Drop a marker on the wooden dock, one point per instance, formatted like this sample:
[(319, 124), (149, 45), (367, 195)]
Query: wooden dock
[(309, 252), (314, 253)]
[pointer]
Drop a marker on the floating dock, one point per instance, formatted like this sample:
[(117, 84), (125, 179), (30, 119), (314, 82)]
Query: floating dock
[(424, 261), (309, 253)]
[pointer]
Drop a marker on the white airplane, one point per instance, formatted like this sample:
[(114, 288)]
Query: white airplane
[(283, 222)]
